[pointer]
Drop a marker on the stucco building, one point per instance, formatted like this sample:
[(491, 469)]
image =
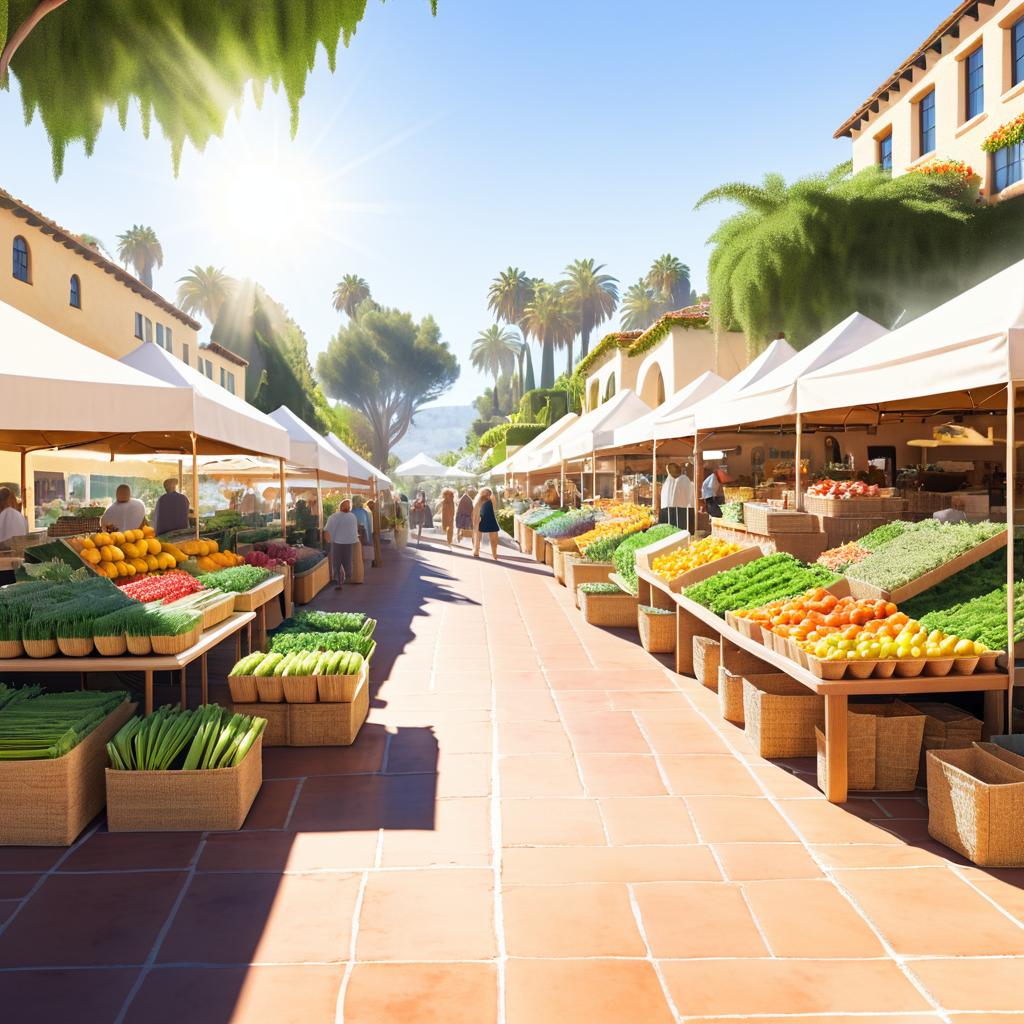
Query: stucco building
[(961, 85)]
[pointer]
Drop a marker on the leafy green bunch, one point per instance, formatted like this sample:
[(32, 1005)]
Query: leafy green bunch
[(756, 583)]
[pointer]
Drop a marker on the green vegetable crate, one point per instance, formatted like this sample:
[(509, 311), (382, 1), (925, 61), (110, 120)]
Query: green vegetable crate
[(250, 600), (210, 800), (306, 585), (49, 802)]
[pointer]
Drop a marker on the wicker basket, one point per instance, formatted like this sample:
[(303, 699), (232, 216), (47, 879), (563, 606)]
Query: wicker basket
[(779, 716), (549, 553), (582, 571), (40, 648), (707, 655), (11, 649), (334, 724), (830, 507), (976, 806), (730, 695), (270, 689), (75, 646), (341, 689), (111, 646), (243, 689), (614, 611), (299, 689), (539, 545), (177, 644), (306, 585), (687, 627), (141, 645), (946, 727), (215, 799), (657, 631), (558, 564), (216, 613), (741, 662), (760, 518)]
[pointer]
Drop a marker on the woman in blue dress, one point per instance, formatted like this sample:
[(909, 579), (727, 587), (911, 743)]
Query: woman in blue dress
[(485, 522)]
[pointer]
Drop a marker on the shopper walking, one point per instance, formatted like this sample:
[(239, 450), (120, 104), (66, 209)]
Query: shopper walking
[(418, 514), (448, 513), (485, 522), (341, 533), (464, 515), (12, 521), (711, 492)]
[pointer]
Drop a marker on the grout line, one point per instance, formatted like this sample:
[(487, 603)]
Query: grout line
[(339, 1006), (293, 804), (649, 953), (496, 846)]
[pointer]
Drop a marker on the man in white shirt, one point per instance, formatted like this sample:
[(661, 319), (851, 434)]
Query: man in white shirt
[(711, 492), (127, 513), (12, 522), (677, 498), (341, 531)]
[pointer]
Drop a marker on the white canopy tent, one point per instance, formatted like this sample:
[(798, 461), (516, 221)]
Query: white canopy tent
[(641, 431), (309, 450), (358, 467), (518, 461), (455, 473), (421, 465), (593, 430)]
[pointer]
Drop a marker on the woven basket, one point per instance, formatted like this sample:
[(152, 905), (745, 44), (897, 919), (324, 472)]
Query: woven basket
[(585, 572), (40, 648), (1009, 755), (549, 554), (730, 695), (334, 724), (111, 646), (976, 806), (707, 652), (946, 727), (819, 506), (306, 585), (763, 519), (270, 689), (141, 645), (177, 644), (243, 689), (614, 611), (217, 612), (741, 662), (779, 716), (687, 627), (558, 564), (11, 649), (657, 632), (75, 646), (299, 689), (341, 689)]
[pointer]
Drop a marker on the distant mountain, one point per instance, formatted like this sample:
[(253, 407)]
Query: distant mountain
[(435, 430)]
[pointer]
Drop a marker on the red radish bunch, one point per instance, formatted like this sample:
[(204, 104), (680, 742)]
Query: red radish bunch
[(273, 554), (171, 586), (843, 489)]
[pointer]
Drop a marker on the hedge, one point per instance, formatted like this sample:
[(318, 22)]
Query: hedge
[(519, 434), (690, 319), (533, 402), (495, 436)]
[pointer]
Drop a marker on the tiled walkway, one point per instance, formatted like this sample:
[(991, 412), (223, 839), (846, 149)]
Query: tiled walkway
[(540, 824)]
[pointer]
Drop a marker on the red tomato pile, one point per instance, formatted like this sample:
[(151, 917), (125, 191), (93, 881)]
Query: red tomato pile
[(843, 489), (171, 586)]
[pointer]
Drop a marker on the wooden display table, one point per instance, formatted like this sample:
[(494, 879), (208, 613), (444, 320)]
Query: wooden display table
[(147, 664), (692, 617), (256, 600)]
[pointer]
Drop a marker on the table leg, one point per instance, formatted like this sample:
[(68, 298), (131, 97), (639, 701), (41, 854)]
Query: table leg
[(149, 692), (679, 640), (205, 698), (183, 683), (836, 743), (261, 626), (248, 636), (995, 713), (82, 676), (238, 645)]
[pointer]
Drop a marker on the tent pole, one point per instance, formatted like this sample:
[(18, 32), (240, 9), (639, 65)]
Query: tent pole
[(375, 522), (181, 474), (27, 510), (798, 495), (561, 489), (284, 511), (1011, 517), (698, 482), (593, 472), (319, 504), (655, 497), (583, 466), (195, 484)]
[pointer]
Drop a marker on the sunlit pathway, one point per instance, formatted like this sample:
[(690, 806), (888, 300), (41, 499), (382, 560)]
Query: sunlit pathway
[(539, 824)]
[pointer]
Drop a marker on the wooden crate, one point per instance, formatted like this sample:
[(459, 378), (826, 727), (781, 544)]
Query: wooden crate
[(649, 552), (857, 508), (49, 803), (250, 600), (585, 572), (306, 585), (328, 724), (212, 800), (761, 518), (613, 611), (843, 529)]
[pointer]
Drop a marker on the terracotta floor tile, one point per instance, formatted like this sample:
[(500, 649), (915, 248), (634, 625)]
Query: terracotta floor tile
[(15, 886), (697, 919), (104, 851), (867, 855), (826, 925), (579, 702), (527, 706), (240, 918), (738, 820), (461, 836), (607, 732), (427, 915), (296, 762), (903, 807), (667, 701), (422, 994), (681, 733), (115, 920), (556, 865), (1007, 895), (584, 992), (651, 820), (533, 738), (272, 805), (237, 995), (570, 921), (621, 775), (958, 921), (45, 997), (597, 679), (29, 858), (743, 987), (545, 775), (781, 783), (365, 802), (903, 1018), (288, 851), (751, 862), (463, 775), (964, 984), (690, 775), (821, 822), (539, 822)]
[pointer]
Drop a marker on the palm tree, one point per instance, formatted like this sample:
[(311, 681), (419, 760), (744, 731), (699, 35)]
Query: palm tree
[(507, 298), (205, 290), (550, 320), (670, 280), (529, 382), (592, 295), (493, 352), (349, 293), (640, 307), (140, 247), (94, 243)]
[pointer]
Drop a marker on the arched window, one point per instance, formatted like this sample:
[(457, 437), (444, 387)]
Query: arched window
[(76, 292), (20, 268), (609, 390)]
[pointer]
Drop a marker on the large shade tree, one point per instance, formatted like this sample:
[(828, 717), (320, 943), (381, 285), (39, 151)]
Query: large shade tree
[(493, 353), (185, 62), (799, 257), (386, 366), (204, 290), (592, 296), (640, 307), (350, 293), (140, 247), (549, 318)]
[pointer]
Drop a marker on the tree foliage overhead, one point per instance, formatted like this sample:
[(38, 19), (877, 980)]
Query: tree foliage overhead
[(799, 257), (186, 62), (204, 290), (386, 366)]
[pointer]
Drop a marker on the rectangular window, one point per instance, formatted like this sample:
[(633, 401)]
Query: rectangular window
[(1006, 166), (184, 354), (167, 340), (138, 327), (209, 369), (926, 123), (149, 329), (222, 376), (974, 83), (885, 152), (231, 383), (1017, 52), (160, 335)]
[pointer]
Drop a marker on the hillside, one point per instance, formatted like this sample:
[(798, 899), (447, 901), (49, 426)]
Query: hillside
[(435, 430)]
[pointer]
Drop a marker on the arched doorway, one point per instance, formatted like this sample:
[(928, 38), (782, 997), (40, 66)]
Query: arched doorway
[(594, 397), (652, 390), (609, 388)]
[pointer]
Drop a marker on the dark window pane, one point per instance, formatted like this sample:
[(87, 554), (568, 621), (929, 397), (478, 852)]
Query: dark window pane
[(1006, 166), (76, 292), (138, 327), (885, 152), (1017, 51), (974, 72), (20, 259), (926, 115)]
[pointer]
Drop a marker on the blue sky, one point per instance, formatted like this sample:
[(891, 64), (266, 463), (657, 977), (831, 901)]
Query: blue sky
[(530, 133)]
